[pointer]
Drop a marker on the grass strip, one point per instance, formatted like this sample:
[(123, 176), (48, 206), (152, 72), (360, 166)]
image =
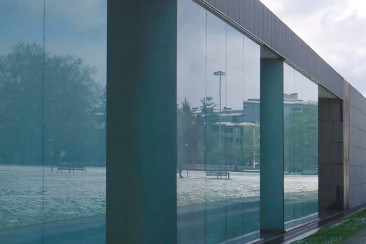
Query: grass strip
[(338, 232)]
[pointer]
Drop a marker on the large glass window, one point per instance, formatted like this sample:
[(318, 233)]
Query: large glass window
[(52, 121), (21, 170), (218, 129), (300, 148)]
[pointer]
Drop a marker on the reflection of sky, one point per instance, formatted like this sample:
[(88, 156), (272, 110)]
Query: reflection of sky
[(295, 82), (72, 27), (225, 49)]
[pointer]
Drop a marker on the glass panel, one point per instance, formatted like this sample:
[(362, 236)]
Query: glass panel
[(191, 93), (301, 148), (216, 95), (75, 78), (21, 71), (218, 149), (52, 123)]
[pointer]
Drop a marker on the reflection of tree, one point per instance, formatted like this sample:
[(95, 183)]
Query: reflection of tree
[(69, 104), (198, 138), (251, 145), (207, 110), (190, 136), (301, 139)]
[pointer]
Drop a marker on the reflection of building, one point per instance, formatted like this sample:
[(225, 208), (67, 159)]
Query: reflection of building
[(232, 116), (234, 132), (142, 155), (251, 107), (251, 111), (293, 104)]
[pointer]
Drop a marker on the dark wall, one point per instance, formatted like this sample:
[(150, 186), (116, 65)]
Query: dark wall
[(331, 182)]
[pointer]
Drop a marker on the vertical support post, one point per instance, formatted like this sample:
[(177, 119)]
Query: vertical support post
[(271, 146), (346, 143), (141, 121)]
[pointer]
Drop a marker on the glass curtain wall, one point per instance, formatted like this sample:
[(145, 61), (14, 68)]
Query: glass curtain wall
[(218, 129), (300, 148), (52, 121), (21, 70)]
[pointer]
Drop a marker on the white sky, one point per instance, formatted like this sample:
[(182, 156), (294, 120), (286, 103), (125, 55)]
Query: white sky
[(335, 29)]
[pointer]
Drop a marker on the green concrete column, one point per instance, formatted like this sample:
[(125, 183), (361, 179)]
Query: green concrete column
[(141, 121), (271, 146)]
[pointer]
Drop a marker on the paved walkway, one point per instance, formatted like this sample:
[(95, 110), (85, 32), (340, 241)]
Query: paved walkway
[(359, 237)]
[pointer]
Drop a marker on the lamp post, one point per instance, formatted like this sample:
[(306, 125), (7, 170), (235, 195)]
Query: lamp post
[(219, 73)]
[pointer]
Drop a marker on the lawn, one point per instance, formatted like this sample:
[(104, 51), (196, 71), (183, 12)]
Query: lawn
[(338, 232)]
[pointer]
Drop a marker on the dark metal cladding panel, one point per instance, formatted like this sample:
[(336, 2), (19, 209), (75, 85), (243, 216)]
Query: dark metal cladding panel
[(286, 43), (255, 19), (297, 49), (251, 16), (265, 24), (258, 19), (212, 2), (245, 14), (301, 51), (278, 36), (317, 71), (242, 12), (281, 38), (293, 48), (290, 46), (261, 21), (234, 10), (314, 65), (274, 32), (271, 23), (300, 56), (306, 58), (223, 6), (294, 52)]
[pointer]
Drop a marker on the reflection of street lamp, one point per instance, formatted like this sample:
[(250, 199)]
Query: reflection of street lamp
[(219, 73)]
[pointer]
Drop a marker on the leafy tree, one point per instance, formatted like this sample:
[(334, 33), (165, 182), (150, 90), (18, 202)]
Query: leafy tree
[(49, 108)]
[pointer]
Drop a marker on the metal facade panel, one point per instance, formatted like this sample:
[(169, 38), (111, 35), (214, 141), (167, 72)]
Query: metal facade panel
[(212, 2), (245, 14), (290, 46), (265, 24), (271, 24), (276, 38), (223, 6), (261, 21), (234, 10), (257, 20), (279, 35), (297, 49), (274, 32), (251, 15)]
